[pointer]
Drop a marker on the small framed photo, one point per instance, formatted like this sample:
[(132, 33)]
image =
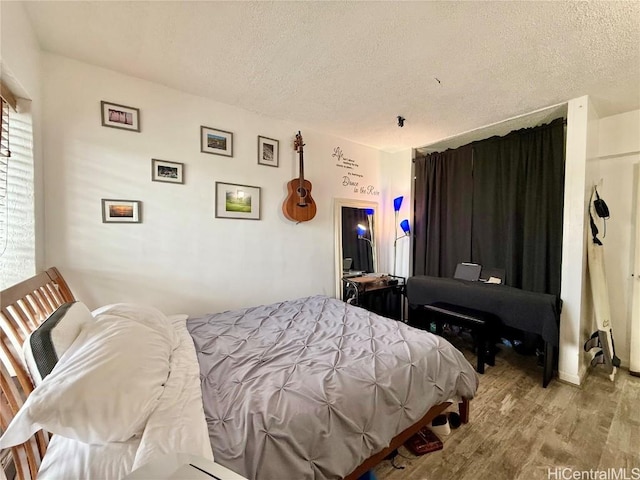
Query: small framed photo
[(216, 141), (163, 171), (237, 201), (120, 116), (121, 211), (268, 153)]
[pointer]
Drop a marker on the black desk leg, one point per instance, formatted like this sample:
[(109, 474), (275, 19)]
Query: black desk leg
[(549, 357)]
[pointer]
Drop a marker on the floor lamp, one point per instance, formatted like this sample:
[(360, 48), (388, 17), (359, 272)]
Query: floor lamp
[(361, 232), (404, 224)]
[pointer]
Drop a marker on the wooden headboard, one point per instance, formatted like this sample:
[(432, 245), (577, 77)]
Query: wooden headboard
[(22, 308)]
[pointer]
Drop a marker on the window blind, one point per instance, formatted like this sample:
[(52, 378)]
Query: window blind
[(4, 130), (17, 222), (5, 153)]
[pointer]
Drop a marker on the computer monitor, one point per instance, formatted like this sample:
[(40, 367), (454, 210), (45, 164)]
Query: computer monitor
[(346, 264)]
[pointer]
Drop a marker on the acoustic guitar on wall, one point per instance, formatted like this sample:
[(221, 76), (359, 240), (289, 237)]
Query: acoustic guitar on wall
[(299, 206)]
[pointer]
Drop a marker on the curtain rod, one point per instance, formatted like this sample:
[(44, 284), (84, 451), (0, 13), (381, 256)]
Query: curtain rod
[(523, 115), (564, 122)]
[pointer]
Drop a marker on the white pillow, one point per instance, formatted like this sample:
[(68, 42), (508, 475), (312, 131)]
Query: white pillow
[(107, 383), (44, 346)]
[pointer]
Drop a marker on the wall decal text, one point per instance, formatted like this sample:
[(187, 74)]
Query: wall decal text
[(351, 178)]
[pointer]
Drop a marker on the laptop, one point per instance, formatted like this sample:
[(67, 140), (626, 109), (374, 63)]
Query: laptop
[(468, 271)]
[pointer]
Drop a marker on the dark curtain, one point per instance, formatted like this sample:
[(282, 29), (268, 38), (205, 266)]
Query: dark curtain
[(443, 201), (352, 247), (497, 202), (518, 189)]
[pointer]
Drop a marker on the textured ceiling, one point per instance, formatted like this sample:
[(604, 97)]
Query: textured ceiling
[(350, 68)]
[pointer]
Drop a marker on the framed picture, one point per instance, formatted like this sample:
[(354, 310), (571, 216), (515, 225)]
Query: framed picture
[(163, 171), (237, 201), (120, 116), (268, 152), (121, 211), (216, 141)]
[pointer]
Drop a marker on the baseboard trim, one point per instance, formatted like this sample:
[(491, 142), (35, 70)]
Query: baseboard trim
[(584, 371), (571, 378)]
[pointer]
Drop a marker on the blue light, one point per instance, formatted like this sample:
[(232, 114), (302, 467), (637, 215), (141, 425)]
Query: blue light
[(404, 224), (361, 230), (368, 211), (397, 202)]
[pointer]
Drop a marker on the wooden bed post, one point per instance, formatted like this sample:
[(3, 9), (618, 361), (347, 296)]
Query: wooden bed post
[(23, 308), (464, 410)]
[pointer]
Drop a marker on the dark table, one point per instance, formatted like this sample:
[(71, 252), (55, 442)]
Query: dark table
[(533, 312), (379, 294)]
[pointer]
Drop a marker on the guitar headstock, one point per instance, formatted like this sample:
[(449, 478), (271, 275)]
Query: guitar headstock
[(298, 144)]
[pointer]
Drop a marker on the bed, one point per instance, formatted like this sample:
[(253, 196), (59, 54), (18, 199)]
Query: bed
[(344, 388)]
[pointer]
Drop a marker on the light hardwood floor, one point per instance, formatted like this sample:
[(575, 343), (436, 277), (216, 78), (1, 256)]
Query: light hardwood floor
[(521, 431)]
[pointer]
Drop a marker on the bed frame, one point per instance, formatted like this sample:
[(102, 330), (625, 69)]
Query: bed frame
[(25, 306), (22, 308), (403, 436)]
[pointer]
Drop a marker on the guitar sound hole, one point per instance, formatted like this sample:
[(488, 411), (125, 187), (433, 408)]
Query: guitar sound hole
[(302, 192)]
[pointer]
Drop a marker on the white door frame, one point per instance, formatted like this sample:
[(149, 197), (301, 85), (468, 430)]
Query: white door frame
[(634, 354)]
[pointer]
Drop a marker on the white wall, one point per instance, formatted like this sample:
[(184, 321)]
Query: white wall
[(614, 173), (396, 181), (619, 135), (20, 58), (181, 258)]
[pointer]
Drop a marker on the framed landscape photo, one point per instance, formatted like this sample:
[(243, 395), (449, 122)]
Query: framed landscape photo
[(121, 211), (216, 141), (268, 151), (237, 201), (120, 116), (163, 171)]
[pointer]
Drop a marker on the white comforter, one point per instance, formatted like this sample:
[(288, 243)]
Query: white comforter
[(177, 425)]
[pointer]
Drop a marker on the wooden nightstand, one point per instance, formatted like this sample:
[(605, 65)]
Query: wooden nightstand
[(182, 466)]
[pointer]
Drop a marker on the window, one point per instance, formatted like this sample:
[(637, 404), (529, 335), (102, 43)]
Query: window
[(17, 190), (5, 153), (4, 130)]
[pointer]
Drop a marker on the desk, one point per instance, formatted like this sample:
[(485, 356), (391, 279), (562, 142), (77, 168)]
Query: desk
[(380, 294), (532, 312)]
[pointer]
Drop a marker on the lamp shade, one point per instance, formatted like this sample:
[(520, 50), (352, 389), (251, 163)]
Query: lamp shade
[(404, 225), (397, 203), (361, 230)]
